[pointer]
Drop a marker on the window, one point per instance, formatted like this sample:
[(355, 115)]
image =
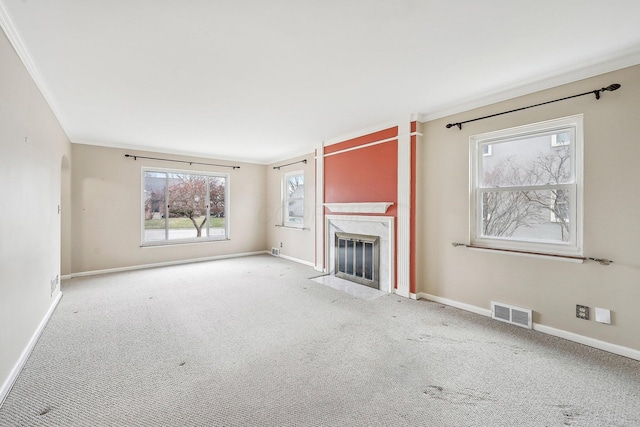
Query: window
[(293, 199), (183, 206), (528, 194)]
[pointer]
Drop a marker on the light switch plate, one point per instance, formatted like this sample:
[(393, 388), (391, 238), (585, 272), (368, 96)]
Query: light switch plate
[(603, 315)]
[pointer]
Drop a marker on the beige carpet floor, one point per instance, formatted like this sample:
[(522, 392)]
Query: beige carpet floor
[(253, 342)]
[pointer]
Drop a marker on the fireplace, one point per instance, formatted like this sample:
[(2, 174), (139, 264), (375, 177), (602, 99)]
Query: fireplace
[(378, 229), (357, 258)]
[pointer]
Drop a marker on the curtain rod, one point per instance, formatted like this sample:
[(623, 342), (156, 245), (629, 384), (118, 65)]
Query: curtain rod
[(180, 161), (602, 261), (596, 92), (289, 164)]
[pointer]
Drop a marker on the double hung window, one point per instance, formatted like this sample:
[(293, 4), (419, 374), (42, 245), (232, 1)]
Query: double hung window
[(527, 195), (293, 199), (183, 206)]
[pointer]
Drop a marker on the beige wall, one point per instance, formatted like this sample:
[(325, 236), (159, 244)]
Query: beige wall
[(30, 241), (611, 205), (106, 210), (297, 244)]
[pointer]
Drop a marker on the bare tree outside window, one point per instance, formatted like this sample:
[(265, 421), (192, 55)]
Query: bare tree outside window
[(506, 211), (526, 187)]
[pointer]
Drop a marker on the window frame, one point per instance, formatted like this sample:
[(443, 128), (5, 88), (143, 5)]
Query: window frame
[(573, 247), (286, 222), (167, 241)]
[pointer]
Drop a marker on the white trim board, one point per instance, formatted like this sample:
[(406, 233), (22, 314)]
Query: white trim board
[(185, 261), (17, 368), (580, 339), (299, 261), (161, 264)]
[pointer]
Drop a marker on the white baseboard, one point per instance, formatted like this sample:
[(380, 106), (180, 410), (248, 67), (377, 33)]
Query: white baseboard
[(300, 261), (456, 304), (13, 375), (161, 264), (591, 342), (581, 339)]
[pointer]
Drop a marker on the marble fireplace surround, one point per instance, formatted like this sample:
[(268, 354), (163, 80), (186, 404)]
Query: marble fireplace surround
[(381, 226)]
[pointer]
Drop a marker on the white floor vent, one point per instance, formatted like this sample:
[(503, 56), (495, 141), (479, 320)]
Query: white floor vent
[(275, 251), (510, 314)]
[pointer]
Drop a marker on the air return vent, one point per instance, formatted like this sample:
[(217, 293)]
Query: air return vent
[(275, 251), (510, 314)]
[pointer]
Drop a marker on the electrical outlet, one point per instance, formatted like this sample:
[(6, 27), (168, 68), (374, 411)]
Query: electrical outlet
[(582, 312), (280, 244), (53, 285)]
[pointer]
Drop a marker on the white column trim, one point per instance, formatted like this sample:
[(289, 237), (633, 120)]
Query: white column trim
[(404, 208), (320, 244)]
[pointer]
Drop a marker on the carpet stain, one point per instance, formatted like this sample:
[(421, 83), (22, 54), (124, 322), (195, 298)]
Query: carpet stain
[(45, 411), (182, 363), (457, 397), (570, 414), (435, 339)]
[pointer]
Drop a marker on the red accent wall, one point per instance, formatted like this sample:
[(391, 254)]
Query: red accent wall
[(367, 174)]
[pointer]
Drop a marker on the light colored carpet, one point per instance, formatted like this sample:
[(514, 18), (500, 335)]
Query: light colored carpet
[(254, 342)]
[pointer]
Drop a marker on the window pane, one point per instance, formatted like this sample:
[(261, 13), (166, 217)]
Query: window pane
[(295, 208), (527, 215), (528, 161), (217, 191), (294, 199), (154, 206), (295, 186), (187, 205)]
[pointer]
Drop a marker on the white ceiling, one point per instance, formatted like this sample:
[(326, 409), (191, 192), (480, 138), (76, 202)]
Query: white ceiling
[(261, 81)]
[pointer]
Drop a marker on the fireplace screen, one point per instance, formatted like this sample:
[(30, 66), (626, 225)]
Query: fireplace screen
[(357, 258)]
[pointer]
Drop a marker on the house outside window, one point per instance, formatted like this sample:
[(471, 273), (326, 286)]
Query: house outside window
[(183, 206), (527, 195), (293, 199)]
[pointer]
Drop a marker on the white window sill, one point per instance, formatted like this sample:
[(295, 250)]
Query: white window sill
[(291, 227), (163, 243)]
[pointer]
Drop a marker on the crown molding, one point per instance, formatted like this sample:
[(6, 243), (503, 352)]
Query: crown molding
[(12, 33), (614, 62)]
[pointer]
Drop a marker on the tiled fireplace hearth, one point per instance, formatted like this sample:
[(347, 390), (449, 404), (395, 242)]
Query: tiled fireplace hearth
[(381, 227)]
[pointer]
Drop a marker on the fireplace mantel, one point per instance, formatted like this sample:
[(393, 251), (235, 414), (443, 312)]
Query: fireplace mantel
[(362, 207)]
